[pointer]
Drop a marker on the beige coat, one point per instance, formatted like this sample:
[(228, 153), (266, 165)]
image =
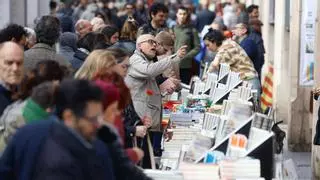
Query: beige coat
[(142, 76)]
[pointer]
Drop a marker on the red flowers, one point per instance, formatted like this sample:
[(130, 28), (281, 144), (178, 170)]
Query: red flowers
[(149, 92), (228, 34)]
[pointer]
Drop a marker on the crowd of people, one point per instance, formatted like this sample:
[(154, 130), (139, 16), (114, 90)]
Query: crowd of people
[(81, 92)]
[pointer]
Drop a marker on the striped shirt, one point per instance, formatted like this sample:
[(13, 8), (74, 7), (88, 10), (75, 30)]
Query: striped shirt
[(231, 53)]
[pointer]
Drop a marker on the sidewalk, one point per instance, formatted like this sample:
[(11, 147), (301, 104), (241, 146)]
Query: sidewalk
[(302, 160)]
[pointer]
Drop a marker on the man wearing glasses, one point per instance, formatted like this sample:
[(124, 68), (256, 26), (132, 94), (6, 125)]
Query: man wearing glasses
[(63, 146), (141, 77), (240, 35)]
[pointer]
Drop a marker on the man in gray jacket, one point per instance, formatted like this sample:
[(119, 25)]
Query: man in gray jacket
[(48, 32), (141, 78)]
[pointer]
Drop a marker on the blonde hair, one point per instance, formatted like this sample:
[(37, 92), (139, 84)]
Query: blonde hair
[(129, 30), (94, 63)]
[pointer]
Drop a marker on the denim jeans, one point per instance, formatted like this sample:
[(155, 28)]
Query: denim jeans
[(255, 85)]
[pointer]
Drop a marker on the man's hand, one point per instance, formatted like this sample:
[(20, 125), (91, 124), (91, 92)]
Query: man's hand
[(168, 135), (141, 131), (316, 91), (182, 51), (169, 85), (147, 121)]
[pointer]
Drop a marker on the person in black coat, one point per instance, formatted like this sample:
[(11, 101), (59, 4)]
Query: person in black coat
[(86, 45), (204, 17), (316, 140), (64, 146), (123, 167)]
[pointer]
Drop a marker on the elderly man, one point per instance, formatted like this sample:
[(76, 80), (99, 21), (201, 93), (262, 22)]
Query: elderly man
[(142, 78), (11, 68), (241, 36)]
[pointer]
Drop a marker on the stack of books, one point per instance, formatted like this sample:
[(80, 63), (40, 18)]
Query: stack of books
[(210, 121), (241, 93), (262, 121), (242, 168), (199, 146), (164, 175), (192, 171), (183, 136), (181, 118)]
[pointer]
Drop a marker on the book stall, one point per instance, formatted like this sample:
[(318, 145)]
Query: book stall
[(218, 132)]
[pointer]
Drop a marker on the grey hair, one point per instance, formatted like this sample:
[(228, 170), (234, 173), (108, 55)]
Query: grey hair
[(31, 35)]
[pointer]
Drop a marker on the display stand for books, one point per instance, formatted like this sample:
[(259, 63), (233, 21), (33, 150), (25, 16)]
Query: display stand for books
[(260, 146), (221, 86), (223, 144), (219, 99), (263, 150)]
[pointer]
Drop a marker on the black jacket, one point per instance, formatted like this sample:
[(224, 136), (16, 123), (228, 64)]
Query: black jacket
[(124, 169), (131, 120), (148, 29), (316, 140), (63, 156), (204, 17), (5, 98)]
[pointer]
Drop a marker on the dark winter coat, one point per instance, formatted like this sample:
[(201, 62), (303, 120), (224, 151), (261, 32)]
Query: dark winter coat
[(78, 59), (257, 38), (5, 98), (49, 150), (251, 49), (124, 169)]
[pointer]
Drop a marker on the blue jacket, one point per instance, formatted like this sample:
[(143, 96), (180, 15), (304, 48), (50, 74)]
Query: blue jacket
[(251, 49), (48, 150), (204, 17), (78, 59), (257, 38), (5, 98)]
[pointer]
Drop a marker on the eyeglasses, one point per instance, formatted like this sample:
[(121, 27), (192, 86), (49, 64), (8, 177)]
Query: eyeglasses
[(95, 119), (151, 42)]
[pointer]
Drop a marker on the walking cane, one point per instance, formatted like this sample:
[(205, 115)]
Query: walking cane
[(150, 148)]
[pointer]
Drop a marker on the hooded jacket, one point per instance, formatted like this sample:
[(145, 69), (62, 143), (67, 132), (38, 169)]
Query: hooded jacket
[(68, 45)]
